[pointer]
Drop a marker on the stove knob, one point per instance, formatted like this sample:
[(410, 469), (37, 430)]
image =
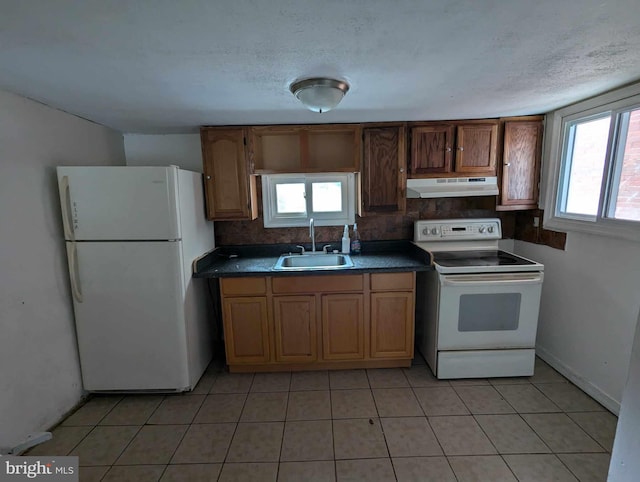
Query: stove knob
[(481, 229), (490, 229), (434, 231)]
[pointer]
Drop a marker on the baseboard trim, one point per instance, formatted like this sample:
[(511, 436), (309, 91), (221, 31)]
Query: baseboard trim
[(585, 385)]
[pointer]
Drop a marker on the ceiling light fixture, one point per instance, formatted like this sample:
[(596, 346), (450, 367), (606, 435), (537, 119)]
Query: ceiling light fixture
[(319, 94)]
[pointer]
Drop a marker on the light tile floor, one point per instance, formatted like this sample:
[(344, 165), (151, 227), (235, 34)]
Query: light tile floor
[(352, 425)]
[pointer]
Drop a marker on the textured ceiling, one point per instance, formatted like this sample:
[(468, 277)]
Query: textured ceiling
[(159, 66)]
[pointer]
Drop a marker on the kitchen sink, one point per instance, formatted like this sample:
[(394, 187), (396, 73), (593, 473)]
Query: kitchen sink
[(302, 262)]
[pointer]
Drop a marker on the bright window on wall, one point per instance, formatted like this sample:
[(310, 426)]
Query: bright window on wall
[(596, 167), (293, 199)]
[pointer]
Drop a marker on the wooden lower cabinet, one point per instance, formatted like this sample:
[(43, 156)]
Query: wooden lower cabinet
[(392, 325), (318, 322), (246, 329), (343, 327), (294, 319)]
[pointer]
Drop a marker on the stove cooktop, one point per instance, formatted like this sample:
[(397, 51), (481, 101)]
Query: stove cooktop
[(479, 258)]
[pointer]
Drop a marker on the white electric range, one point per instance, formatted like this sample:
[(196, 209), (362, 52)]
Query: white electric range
[(477, 312)]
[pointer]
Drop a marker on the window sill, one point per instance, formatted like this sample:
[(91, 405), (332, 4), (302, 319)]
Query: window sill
[(608, 228)]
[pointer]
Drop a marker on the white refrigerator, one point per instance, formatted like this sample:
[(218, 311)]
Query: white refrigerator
[(132, 233)]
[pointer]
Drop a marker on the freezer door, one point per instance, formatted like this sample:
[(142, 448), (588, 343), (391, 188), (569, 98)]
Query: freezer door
[(119, 203), (130, 321)]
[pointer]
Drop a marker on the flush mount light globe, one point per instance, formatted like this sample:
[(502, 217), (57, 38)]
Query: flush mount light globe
[(319, 94)]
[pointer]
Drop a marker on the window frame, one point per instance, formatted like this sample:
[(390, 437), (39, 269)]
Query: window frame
[(554, 166), (269, 201)]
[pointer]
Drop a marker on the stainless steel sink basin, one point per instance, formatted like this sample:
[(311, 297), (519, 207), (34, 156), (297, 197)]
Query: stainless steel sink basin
[(303, 262)]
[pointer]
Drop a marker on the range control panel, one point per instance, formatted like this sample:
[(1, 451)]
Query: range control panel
[(457, 229)]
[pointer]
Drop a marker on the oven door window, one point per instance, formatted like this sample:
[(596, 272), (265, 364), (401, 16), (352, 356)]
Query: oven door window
[(489, 312)]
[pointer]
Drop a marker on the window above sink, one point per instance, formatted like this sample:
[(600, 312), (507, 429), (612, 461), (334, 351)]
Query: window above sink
[(290, 200)]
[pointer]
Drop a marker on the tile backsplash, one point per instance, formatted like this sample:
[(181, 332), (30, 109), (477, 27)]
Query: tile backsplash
[(374, 227)]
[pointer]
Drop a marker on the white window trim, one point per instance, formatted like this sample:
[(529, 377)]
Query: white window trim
[(552, 157), (319, 219)]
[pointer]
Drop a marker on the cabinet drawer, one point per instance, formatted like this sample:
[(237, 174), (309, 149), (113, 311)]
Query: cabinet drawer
[(314, 284), (392, 281), (243, 286)]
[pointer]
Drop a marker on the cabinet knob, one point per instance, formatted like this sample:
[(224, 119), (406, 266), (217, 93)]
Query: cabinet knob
[(461, 148), (507, 164), (401, 169), (448, 149), (208, 178)]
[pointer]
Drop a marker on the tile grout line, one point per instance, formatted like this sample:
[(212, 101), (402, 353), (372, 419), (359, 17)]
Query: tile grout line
[(284, 429)]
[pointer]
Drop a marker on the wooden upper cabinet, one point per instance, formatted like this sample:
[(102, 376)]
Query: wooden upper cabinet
[(431, 149), (229, 190), (306, 148), (476, 148), (384, 176), (520, 171), (433, 144)]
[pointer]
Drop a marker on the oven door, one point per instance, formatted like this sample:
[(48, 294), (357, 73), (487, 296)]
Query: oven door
[(488, 311)]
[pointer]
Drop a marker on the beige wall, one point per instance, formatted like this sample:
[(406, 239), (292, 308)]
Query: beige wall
[(39, 370), (588, 312)]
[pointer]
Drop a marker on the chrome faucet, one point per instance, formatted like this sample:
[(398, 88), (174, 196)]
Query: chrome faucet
[(312, 235)]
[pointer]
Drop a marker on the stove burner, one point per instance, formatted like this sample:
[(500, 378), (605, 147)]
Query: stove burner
[(478, 258)]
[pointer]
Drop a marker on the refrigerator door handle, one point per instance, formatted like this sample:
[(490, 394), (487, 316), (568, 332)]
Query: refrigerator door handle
[(72, 259), (66, 209)]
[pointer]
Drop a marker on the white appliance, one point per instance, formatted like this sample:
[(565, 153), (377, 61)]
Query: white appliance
[(452, 187), (132, 233), (477, 312)]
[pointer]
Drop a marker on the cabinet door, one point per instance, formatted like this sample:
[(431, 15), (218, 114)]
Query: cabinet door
[(431, 149), (342, 327), (384, 171), (246, 334), (521, 164), (295, 328), (476, 149), (392, 325), (228, 189)]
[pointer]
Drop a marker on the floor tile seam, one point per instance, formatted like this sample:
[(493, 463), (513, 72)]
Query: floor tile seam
[(258, 421), (80, 441), (121, 400), (226, 453), (577, 476), (495, 389), (284, 429), (384, 436), (127, 445), (528, 425), (438, 441), (546, 443), (333, 438), (509, 466), (598, 442), (173, 453), (484, 433), (418, 400), (548, 398), (93, 397), (580, 392)]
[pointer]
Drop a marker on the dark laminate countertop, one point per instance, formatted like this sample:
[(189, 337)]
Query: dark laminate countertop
[(377, 256)]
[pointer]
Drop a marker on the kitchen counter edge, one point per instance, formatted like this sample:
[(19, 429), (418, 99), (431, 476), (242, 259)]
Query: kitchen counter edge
[(258, 260)]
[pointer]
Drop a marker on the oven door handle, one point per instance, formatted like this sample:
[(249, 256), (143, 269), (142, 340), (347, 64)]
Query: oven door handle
[(492, 279)]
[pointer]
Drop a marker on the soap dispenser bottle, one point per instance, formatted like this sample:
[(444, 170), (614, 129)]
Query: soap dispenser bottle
[(355, 242), (346, 243)]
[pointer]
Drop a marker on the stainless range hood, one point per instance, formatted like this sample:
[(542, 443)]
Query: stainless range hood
[(452, 187)]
